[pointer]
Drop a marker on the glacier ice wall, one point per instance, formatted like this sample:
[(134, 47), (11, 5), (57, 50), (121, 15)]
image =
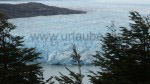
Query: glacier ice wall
[(48, 33)]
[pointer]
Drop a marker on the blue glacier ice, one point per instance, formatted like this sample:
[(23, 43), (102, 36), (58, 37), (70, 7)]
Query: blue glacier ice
[(39, 31)]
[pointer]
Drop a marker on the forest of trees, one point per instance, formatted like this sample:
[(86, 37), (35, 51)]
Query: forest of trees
[(124, 59)]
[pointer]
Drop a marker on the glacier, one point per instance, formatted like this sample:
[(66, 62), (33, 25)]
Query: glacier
[(54, 36)]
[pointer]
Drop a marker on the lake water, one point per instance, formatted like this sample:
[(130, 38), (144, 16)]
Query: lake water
[(53, 70), (39, 31)]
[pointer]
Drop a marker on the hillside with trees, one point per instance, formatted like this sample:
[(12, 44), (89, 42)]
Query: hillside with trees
[(33, 9)]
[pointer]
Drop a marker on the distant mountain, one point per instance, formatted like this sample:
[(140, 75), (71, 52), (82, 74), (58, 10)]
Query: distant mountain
[(34, 9)]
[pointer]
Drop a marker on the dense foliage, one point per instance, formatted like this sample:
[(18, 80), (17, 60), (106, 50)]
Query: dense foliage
[(17, 64), (125, 56)]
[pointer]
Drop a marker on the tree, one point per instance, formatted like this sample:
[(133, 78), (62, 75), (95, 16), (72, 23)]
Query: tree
[(73, 78), (17, 63), (125, 56)]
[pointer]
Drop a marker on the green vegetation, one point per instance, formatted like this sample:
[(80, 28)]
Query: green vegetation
[(125, 58), (73, 78), (16, 62)]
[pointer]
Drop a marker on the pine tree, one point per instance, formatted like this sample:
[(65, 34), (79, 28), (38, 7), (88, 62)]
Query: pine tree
[(125, 56), (17, 63), (73, 78)]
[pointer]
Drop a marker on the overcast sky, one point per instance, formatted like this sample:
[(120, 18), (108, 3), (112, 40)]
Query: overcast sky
[(103, 1)]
